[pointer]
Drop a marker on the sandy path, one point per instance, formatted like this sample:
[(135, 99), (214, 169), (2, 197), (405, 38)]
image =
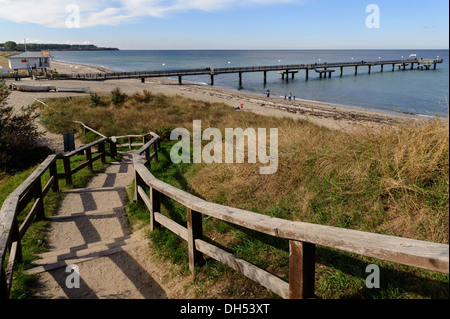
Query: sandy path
[(91, 231)]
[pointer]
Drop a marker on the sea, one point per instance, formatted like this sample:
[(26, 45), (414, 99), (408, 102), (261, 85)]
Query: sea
[(422, 93)]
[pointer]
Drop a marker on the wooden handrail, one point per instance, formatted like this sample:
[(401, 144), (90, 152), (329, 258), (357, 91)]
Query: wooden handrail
[(10, 232), (302, 237)]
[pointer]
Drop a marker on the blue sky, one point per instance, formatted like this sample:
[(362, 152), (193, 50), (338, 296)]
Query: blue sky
[(228, 24)]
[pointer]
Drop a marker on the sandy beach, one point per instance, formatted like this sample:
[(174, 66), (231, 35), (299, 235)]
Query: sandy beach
[(327, 115)]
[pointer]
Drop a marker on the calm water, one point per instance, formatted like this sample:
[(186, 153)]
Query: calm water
[(416, 92)]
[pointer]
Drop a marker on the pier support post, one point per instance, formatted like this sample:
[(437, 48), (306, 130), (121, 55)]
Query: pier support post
[(265, 77), (356, 70), (180, 81), (382, 67), (287, 75), (240, 79), (212, 79), (307, 74), (393, 67), (435, 65), (342, 71), (412, 66), (370, 69)]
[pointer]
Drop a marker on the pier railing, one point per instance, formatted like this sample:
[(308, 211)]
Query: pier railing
[(216, 71), (302, 237)]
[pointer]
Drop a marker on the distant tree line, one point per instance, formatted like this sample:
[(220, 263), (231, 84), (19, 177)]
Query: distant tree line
[(13, 46)]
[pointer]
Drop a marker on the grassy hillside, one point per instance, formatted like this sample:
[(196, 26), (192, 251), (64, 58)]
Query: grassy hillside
[(392, 180)]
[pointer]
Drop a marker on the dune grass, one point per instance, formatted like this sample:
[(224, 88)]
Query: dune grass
[(389, 180)]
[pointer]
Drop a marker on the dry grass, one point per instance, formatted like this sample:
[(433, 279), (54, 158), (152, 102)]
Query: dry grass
[(391, 180)]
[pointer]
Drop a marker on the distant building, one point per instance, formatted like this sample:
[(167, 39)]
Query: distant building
[(2, 48), (29, 61)]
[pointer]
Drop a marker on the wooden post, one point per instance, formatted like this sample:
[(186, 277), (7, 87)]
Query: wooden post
[(112, 149), (301, 270), (287, 75), (342, 71), (356, 70), (370, 69), (435, 65), (15, 236), (37, 194), (101, 149), (194, 223), (130, 141), (137, 182), (68, 171), (382, 67), (54, 173), (89, 159), (307, 74), (180, 81), (155, 199), (393, 67), (265, 77), (240, 79), (155, 149), (212, 79)]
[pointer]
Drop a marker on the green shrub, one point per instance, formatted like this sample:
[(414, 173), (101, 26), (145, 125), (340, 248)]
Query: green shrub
[(18, 137)]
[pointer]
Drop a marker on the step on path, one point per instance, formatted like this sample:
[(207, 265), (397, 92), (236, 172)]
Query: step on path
[(91, 232)]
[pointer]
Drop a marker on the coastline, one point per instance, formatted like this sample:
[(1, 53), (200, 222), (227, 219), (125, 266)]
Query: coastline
[(327, 115)]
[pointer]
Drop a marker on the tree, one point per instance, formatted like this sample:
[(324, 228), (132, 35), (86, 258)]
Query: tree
[(18, 137), (10, 45)]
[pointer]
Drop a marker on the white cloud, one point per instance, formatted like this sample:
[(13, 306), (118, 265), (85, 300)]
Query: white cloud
[(52, 13)]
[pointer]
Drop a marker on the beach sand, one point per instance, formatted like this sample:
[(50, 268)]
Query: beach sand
[(327, 115)]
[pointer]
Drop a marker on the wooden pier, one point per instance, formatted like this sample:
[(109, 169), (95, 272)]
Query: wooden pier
[(285, 70)]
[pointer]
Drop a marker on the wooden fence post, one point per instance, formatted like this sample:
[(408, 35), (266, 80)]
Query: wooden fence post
[(67, 171), (90, 166), (155, 199), (54, 174), (37, 193), (15, 236), (112, 148), (155, 148), (194, 223), (138, 182), (101, 149), (301, 270)]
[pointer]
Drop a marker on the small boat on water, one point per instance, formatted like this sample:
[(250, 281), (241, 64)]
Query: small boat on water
[(33, 87), (76, 90)]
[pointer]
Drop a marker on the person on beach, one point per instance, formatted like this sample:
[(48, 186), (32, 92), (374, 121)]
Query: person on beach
[(268, 93), (242, 106), (290, 96)]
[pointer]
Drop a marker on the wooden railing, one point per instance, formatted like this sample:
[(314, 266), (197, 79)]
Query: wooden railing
[(11, 233), (302, 237)]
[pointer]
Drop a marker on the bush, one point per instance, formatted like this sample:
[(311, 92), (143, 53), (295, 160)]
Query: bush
[(95, 100), (18, 137), (117, 97), (143, 98)]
